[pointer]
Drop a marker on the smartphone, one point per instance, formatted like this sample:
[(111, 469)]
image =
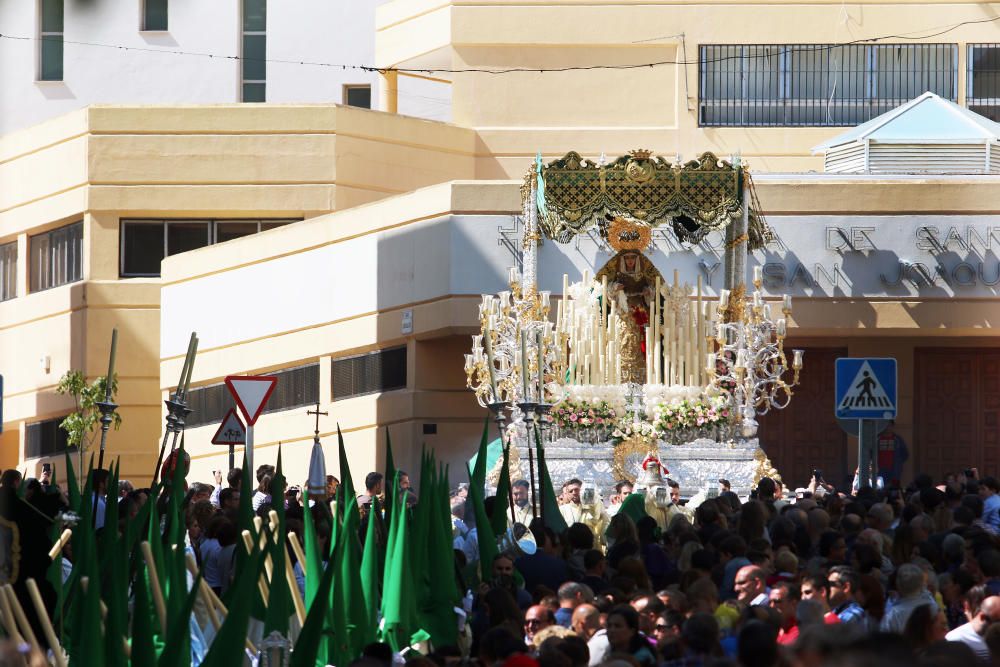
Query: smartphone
[(47, 468)]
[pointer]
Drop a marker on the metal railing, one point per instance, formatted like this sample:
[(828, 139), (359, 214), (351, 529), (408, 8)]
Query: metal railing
[(982, 90), (753, 85)]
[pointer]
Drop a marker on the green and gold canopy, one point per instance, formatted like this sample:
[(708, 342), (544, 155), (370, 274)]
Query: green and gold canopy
[(575, 194)]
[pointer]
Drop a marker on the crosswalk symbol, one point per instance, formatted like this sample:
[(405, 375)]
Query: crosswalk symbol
[(865, 394)]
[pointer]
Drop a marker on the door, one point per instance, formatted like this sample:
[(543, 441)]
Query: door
[(805, 435), (957, 407)]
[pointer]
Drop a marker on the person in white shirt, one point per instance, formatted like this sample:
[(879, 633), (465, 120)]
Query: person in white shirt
[(971, 633), (522, 506)]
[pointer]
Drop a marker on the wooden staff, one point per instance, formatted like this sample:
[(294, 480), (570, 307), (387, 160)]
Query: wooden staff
[(212, 600), (154, 583), (60, 543), (293, 585), (7, 617), (248, 543), (43, 618), (20, 618), (300, 555)]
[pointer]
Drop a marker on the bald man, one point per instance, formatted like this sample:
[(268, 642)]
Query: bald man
[(972, 632), (586, 621), (750, 587)]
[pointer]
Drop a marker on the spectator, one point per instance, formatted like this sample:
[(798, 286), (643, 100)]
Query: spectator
[(571, 596), (537, 619), (843, 582), (784, 598), (972, 633), (750, 587), (911, 582), (624, 637), (925, 627)]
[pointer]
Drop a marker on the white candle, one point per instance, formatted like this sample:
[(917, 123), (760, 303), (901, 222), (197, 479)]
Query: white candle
[(741, 358), (524, 365), (797, 359), (788, 302), (758, 274), (781, 326), (513, 276), (489, 364), (723, 298), (710, 364)]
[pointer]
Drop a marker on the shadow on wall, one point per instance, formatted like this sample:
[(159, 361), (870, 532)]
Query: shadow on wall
[(423, 267)]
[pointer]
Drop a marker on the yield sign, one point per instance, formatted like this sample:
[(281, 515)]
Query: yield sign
[(251, 393), (231, 431)]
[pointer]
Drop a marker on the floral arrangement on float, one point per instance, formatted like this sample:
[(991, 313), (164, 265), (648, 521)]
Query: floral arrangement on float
[(642, 431), (688, 419)]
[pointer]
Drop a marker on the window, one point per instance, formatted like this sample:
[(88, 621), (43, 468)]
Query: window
[(254, 50), (154, 14), (297, 387), (369, 373), (144, 243), (56, 257), (358, 96), (51, 41), (8, 271), (983, 81), (817, 84), (45, 439)]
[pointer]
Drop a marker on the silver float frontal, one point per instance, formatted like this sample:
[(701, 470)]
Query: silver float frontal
[(516, 542)]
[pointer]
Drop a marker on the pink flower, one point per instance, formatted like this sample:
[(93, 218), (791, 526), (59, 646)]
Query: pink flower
[(599, 420), (572, 417)]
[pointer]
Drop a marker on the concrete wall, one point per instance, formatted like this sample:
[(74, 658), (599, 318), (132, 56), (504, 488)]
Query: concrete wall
[(103, 164), (596, 110)]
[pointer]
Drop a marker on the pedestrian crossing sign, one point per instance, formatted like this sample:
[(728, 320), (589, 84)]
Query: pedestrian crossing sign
[(866, 388)]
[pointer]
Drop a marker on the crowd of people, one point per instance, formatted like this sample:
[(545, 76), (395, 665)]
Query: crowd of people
[(893, 575), (886, 575)]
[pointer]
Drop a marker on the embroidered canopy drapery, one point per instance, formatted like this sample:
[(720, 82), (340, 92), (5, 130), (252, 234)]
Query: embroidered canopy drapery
[(575, 194)]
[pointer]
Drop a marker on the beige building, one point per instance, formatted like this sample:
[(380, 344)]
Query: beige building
[(365, 306)]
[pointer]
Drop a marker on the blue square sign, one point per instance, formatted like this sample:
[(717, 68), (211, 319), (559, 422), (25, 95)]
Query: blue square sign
[(866, 388)]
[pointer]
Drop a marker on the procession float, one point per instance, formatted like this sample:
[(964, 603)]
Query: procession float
[(628, 364)]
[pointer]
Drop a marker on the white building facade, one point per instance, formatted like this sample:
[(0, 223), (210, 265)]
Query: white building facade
[(60, 55)]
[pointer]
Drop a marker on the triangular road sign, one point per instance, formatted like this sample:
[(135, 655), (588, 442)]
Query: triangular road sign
[(251, 393), (867, 395), (231, 431)]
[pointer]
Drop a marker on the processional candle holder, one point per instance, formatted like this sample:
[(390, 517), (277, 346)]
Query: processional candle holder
[(750, 345)]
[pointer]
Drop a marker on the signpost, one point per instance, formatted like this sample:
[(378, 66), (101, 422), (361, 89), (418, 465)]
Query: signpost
[(231, 432), (865, 402), (251, 393)]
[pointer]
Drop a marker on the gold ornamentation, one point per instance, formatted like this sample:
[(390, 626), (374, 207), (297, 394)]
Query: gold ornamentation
[(513, 466), (700, 196), (634, 446), (737, 304), (764, 468), (10, 551), (628, 234), (738, 240)]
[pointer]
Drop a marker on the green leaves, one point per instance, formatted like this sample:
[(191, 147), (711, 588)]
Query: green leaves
[(82, 424)]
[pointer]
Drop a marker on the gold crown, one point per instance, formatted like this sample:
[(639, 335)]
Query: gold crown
[(626, 234), (640, 153)]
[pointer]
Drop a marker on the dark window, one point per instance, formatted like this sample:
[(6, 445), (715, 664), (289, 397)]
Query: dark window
[(817, 84), (296, 387), (154, 15), (144, 243), (384, 370), (45, 439), (254, 53), (8, 271), (51, 41), (358, 96), (983, 92), (56, 257), (142, 248)]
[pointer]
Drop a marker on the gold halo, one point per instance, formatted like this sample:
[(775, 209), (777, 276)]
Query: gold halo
[(625, 234)]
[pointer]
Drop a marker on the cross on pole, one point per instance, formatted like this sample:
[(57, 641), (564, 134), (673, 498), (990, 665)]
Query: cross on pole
[(317, 413)]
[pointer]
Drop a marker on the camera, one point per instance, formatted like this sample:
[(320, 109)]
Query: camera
[(818, 475)]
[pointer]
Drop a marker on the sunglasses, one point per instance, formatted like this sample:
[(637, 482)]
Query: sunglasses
[(662, 628)]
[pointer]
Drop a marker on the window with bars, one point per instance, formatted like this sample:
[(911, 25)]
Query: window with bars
[(56, 258), (254, 52), (50, 40), (45, 438), (752, 85), (8, 271), (144, 243), (154, 14), (370, 373), (296, 387), (983, 80)]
